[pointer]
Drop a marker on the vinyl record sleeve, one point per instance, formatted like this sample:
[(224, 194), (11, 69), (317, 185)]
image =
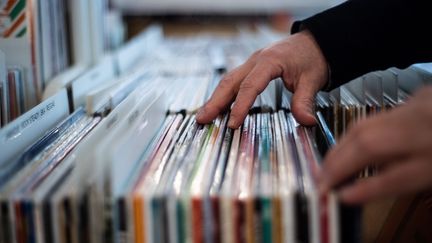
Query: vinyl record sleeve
[(266, 185), (148, 182), (276, 201), (34, 201), (26, 187), (20, 189), (160, 191), (183, 182), (40, 148), (130, 140), (84, 152), (254, 216), (200, 187), (2, 111), (223, 157), (300, 202), (44, 165), (3, 90), (309, 170), (196, 189), (158, 197), (19, 75), (286, 181), (215, 196), (226, 192), (13, 106), (242, 184), (329, 205), (165, 188), (42, 200)]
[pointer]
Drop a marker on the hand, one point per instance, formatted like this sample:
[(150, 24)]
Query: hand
[(398, 141), (297, 60)]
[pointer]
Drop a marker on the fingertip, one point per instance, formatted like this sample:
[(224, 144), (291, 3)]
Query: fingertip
[(233, 122), (303, 114), (238, 113), (303, 108), (200, 114), (303, 103), (204, 115), (350, 196)]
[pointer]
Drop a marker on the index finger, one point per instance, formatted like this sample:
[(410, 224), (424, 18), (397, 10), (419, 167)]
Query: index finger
[(224, 93)]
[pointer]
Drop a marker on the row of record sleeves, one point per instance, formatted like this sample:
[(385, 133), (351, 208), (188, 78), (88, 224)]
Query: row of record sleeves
[(34, 36), (42, 39), (121, 159), (138, 175)]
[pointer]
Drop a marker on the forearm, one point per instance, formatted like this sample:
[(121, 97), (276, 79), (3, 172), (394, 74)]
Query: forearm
[(360, 36)]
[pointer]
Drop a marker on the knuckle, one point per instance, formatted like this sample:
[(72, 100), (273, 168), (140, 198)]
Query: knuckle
[(250, 88), (226, 81), (273, 60), (226, 86), (306, 101), (214, 106), (256, 54), (269, 53)]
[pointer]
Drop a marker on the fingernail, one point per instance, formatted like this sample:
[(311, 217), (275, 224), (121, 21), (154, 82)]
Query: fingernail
[(231, 123), (200, 113)]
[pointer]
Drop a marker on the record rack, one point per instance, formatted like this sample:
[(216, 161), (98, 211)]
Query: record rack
[(115, 154)]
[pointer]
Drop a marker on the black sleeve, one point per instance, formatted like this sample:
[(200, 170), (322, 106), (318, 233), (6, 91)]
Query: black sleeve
[(360, 36)]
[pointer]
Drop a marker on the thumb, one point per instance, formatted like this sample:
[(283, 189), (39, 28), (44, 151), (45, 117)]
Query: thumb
[(303, 104)]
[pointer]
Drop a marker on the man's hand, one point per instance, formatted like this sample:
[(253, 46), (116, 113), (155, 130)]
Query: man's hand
[(297, 60), (398, 141)]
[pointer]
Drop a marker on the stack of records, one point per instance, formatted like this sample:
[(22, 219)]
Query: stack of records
[(136, 167), (209, 183), (27, 181)]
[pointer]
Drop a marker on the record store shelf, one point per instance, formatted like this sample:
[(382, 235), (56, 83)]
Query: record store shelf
[(117, 156)]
